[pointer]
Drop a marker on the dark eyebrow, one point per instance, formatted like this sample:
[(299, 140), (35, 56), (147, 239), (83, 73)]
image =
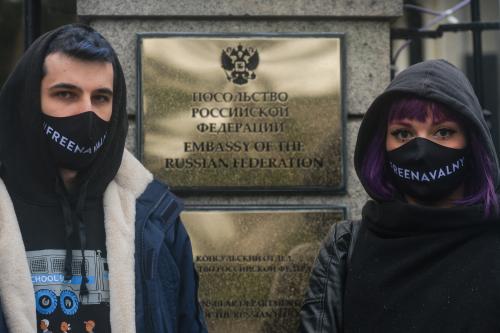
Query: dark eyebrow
[(105, 91), (69, 86), (444, 121), (65, 86)]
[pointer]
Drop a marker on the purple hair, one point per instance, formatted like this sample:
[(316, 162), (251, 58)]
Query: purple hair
[(376, 176)]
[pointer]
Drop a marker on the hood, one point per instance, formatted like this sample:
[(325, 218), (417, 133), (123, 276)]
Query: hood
[(435, 80), (25, 165)]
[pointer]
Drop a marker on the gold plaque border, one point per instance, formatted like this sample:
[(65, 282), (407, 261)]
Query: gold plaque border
[(139, 137), (265, 207)]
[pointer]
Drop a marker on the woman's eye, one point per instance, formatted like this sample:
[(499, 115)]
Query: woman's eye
[(444, 133), (402, 134)]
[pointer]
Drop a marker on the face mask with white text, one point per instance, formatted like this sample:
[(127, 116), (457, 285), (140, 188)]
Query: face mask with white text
[(425, 170), (75, 141)]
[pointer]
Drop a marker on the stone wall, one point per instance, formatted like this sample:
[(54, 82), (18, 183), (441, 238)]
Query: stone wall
[(365, 24)]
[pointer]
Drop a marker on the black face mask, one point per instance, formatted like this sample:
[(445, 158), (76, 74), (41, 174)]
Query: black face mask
[(426, 170), (75, 141)]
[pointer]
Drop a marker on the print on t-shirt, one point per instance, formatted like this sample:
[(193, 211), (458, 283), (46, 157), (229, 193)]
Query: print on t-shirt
[(59, 306)]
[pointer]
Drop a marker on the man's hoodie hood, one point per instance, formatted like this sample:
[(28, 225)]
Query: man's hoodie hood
[(435, 80), (26, 166)]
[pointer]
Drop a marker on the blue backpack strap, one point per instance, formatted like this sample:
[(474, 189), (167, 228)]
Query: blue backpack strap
[(162, 216), (158, 200), (162, 206), (151, 205), (157, 214), (158, 224)]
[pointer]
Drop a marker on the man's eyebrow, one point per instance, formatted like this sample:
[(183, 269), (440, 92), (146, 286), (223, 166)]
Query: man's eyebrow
[(70, 86), (105, 91), (65, 86)]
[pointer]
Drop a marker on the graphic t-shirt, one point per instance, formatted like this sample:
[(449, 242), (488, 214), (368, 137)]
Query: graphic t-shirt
[(59, 305), (59, 301)]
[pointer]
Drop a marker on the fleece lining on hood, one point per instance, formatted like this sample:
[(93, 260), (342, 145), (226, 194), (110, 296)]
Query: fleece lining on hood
[(27, 168), (435, 80)]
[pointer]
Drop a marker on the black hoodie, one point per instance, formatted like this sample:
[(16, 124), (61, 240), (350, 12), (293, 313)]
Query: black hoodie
[(26, 165), (416, 268), (436, 80), (48, 216)]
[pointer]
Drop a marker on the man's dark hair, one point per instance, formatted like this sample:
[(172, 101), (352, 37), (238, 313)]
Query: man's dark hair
[(82, 43)]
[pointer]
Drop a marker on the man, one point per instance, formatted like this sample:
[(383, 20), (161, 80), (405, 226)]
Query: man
[(44, 326), (101, 238)]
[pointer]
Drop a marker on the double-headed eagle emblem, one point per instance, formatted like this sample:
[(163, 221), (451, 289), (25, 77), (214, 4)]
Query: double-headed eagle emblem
[(239, 63)]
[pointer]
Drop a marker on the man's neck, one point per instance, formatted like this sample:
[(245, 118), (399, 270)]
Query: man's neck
[(68, 178)]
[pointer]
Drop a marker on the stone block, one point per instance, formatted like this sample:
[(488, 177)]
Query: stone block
[(242, 8)]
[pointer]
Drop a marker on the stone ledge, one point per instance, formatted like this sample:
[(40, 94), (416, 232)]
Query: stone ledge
[(243, 8)]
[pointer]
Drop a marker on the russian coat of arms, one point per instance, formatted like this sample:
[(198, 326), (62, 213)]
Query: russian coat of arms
[(239, 63)]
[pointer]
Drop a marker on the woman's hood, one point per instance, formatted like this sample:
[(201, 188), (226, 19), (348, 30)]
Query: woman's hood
[(27, 168), (435, 80)]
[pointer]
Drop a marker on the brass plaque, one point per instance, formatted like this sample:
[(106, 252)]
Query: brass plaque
[(254, 265), (242, 113)]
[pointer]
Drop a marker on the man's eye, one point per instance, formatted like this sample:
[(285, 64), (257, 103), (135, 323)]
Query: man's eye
[(444, 133), (402, 134), (65, 94), (101, 98)]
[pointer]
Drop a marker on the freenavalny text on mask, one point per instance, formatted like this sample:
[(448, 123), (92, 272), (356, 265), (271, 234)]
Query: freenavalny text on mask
[(425, 170), (74, 141)]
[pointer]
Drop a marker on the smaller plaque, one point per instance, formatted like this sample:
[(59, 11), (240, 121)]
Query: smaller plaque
[(254, 264)]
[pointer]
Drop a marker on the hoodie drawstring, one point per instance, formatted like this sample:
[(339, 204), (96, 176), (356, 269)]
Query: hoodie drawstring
[(69, 229), (82, 235)]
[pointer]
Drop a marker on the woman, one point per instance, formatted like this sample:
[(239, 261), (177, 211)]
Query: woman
[(426, 255)]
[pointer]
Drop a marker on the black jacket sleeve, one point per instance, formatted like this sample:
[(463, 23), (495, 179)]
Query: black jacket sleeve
[(323, 304)]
